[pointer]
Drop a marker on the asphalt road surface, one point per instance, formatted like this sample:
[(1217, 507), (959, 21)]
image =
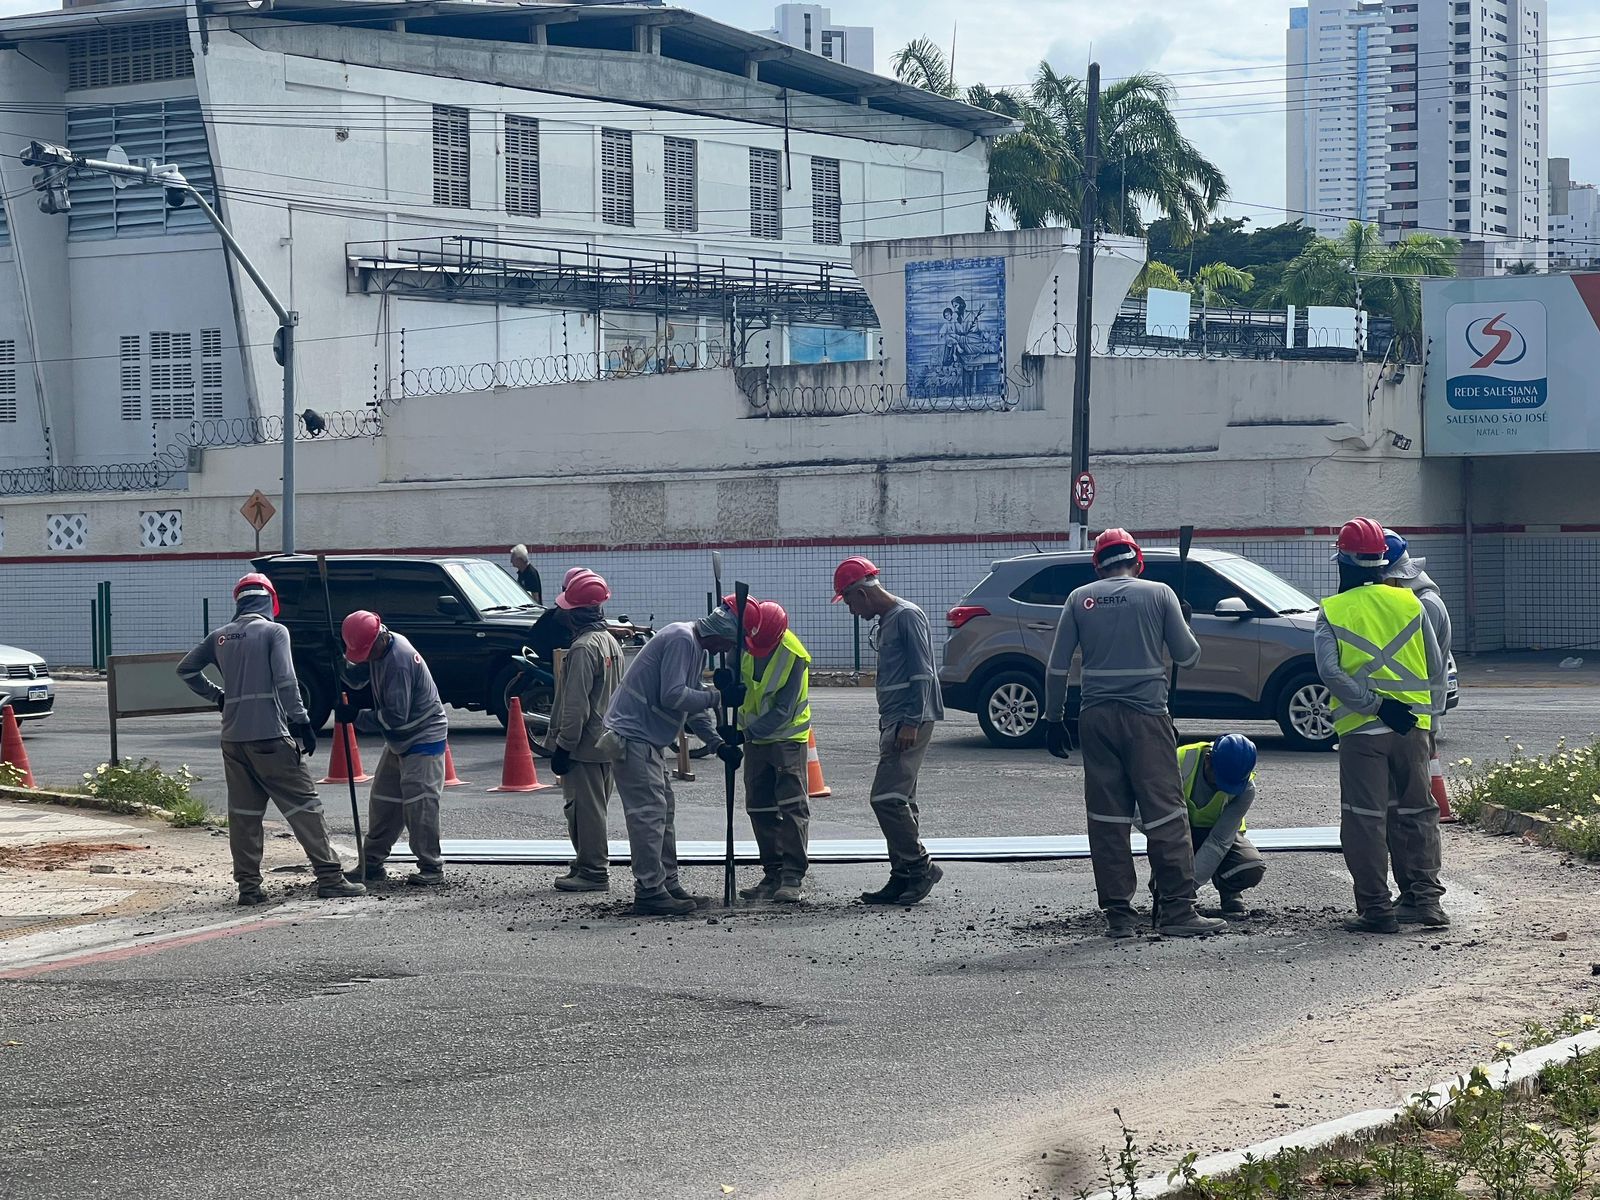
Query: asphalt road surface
[(498, 1039)]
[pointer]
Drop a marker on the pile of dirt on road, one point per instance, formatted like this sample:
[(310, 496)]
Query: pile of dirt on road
[(52, 856)]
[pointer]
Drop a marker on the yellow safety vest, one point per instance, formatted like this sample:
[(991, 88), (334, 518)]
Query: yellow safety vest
[(1201, 816), (1380, 642), (790, 656)]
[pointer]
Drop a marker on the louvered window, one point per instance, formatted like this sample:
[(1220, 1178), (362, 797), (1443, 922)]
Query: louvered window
[(616, 177), (169, 131), (452, 158), (129, 54), (131, 362), (171, 376), (679, 172), (825, 228), (766, 194), (5, 230), (8, 380), (211, 373), (522, 166)]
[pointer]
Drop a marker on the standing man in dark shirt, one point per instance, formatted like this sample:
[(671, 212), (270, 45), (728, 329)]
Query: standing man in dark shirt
[(527, 574)]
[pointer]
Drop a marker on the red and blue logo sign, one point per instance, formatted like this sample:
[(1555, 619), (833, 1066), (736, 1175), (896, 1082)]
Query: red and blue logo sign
[(1496, 356)]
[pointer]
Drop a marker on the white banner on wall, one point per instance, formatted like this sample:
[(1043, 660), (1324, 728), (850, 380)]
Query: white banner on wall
[(1511, 365)]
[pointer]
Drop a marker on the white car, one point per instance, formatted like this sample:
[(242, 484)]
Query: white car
[(25, 684)]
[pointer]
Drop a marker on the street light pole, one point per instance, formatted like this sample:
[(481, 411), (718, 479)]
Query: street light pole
[(178, 189)]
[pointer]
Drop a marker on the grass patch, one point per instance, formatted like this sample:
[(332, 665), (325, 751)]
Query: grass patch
[(12, 776), (1562, 786), (126, 788)]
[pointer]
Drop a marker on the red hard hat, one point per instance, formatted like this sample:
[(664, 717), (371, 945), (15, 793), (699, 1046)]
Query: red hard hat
[(583, 589), (1361, 543), (260, 583), (851, 572), (1115, 547), (772, 624), (360, 631)]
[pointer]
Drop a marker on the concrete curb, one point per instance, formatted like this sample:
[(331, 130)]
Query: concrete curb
[(1363, 1127), (19, 795), (1497, 819)]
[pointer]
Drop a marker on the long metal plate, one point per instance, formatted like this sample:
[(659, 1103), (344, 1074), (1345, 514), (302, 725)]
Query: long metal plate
[(557, 852)]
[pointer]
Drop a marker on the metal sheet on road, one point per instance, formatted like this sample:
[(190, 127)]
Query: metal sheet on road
[(557, 852)]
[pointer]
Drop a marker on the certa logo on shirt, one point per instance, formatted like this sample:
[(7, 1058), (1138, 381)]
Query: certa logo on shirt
[(1090, 602)]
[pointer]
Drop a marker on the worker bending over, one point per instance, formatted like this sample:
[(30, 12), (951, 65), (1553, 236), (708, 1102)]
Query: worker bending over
[(1126, 629), (1219, 788), (776, 722)]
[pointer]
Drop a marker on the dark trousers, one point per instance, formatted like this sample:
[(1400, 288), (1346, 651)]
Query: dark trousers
[(780, 812), (273, 770), (1388, 815)]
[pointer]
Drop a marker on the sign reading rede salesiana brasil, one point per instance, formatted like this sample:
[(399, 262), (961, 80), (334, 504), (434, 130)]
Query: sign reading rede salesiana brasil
[(1511, 361)]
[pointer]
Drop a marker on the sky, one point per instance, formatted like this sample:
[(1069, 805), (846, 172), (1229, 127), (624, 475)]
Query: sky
[(1226, 56)]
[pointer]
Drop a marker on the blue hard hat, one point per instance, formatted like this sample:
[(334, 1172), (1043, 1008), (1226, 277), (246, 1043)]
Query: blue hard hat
[(1394, 547), (1233, 758)]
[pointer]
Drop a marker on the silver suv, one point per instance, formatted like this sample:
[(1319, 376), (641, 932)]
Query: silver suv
[(1255, 632)]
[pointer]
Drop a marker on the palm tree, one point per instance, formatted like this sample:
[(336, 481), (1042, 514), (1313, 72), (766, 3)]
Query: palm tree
[(1212, 278), (1146, 164), (1157, 274), (1522, 267)]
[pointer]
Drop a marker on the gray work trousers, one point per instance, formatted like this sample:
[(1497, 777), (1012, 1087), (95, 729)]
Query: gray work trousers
[(585, 791), (1241, 867), (780, 812), (644, 785), (273, 769), (405, 798), (1130, 765), (894, 800), (1388, 815)]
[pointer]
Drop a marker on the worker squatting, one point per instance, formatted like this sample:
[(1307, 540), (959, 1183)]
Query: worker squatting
[(1380, 650)]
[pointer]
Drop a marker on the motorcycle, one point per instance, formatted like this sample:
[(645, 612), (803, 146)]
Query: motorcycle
[(534, 682)]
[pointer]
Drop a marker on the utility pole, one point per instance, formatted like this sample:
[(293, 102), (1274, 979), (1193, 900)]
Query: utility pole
[(59, 163), (1083, 351)]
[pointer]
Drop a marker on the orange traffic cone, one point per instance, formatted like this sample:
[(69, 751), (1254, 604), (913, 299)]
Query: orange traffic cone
[(12, 750), (518, 774), (816, 788), (340, 768), (451, 779), (1440, 796)]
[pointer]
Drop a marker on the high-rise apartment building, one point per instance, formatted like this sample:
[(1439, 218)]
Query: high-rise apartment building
[(810, 27), (1422, 116), (1573, 219)]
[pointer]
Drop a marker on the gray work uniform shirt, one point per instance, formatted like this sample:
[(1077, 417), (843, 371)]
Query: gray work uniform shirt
[(405, 703), (1359, 694), (1438, 618), (262, 694), (661, 688), (1128, 630), (908, 686), (590, 676)]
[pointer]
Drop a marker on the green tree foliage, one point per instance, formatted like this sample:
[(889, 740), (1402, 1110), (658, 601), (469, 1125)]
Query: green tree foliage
[(1263, 252)]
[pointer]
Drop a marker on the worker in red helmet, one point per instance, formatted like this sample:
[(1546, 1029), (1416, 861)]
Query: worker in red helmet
[(908, 705), (1127, 629), (776, 722), (267, 739), (1386, 675), (392, 692)]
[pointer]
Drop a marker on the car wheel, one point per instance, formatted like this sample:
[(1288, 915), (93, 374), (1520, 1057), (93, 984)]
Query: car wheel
[(537, 701), (1305, 714), (1011, 710), (318, 701)]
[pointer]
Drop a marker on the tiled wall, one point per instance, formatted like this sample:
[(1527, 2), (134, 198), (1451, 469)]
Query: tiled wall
[(1532, 590)]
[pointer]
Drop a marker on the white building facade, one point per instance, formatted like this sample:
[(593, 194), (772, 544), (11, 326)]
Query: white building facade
[(1423, 116), (810, 27), (435, 188), (1574, 220)]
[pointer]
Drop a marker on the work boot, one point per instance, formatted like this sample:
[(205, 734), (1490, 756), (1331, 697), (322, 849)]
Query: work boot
[(1376, 922), (250, 897), (1232, 905), (681, 893), (920, 886), (889, 893), (789, 893), (425, 879), (339, 889), (762, 889), (1121, 923), (572, 882), (662, 904), (371, 873), (1408, 912), (1190, 924)]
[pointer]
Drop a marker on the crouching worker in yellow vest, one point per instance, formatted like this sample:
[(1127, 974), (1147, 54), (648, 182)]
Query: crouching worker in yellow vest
[(1386, 673), (1219, 787), (776, 721)]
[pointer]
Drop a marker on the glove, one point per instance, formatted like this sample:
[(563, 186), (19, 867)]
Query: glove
[(1055, 739), (1396, 715), (731, 755), (722, 679), (345, 712), (222, 702), (560, 762), (733, 695), (305, 737), (730, 736), (1188, 611)]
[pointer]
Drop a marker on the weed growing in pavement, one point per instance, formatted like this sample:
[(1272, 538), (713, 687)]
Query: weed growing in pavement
[(127, 789), (11, 775), (1565, 785)]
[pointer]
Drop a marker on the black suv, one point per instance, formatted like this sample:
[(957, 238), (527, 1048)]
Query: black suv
[(465, 616)]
